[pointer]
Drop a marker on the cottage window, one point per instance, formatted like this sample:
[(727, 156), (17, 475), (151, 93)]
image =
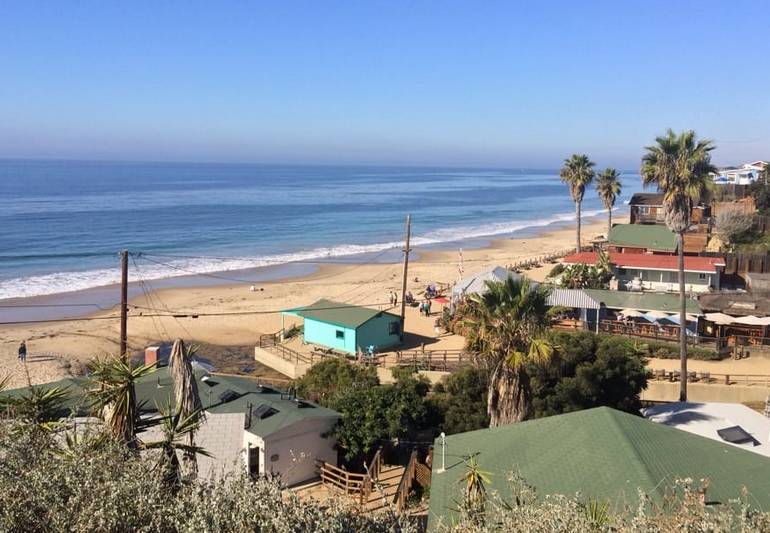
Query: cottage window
[(253, 462), (702, 276), (340, 334), (394, 328), (644, 210)]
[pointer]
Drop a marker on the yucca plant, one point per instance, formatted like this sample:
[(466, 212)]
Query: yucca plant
[(176, 428), (473, 505), (188, 401), (113, 395)]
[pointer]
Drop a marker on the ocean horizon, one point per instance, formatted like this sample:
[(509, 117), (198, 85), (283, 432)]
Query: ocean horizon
[(64, 222)]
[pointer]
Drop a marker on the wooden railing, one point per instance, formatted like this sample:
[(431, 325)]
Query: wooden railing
[(429, 359), (348, 482), (422, 475), (756, 380), (405, 485), (372, 475)]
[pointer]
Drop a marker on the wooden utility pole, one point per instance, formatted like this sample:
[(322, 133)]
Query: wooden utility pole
[(406, 268), (124, 304)]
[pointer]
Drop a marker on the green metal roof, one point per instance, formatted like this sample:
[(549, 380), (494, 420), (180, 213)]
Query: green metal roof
[(288, 411), (652, 237), (642, 301), (600, 453), (218, 393), (339, 314)]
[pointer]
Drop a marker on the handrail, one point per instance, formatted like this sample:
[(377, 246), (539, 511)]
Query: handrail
[(399, 499), (350, 482), (372, 475)]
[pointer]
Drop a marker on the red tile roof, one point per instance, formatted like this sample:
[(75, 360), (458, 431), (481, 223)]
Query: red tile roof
[(650, 261)]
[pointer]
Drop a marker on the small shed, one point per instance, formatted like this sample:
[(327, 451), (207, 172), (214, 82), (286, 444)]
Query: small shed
[(348, 328)]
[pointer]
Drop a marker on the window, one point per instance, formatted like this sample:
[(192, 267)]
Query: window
[(253, 462), (702, 276), (644, 210), (340, 334), (394, 328)]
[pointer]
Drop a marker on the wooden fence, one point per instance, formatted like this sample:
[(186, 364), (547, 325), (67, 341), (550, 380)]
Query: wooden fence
[(741, 263), (347, 482)]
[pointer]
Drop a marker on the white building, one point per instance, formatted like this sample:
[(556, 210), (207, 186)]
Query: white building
[(657, 272), (744, 175), (732, 423)]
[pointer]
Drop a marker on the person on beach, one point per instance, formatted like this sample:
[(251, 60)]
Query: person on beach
[(395, 298), (23, 351), (437, 327), (428, 306)]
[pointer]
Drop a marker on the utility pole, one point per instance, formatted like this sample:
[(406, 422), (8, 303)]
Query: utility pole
[(124, 304), (406, 268)]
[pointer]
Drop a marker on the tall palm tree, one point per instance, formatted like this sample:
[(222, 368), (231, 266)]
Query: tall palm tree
[(679, 165), (608, 188), (188, 401), (506, 326), (578, 173), (113, 395)]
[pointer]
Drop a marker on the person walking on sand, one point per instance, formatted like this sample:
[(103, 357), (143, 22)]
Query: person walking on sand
[(437, 327), (23, 351), (427, 307)]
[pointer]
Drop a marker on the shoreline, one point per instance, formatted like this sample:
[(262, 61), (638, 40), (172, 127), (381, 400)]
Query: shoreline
[(221, 316), (92, 300)]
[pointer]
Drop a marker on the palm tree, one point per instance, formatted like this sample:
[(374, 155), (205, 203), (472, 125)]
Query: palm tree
[(188, 401), (113, 394), (577, 172), (505, 326), (608, 188), (679, 165)]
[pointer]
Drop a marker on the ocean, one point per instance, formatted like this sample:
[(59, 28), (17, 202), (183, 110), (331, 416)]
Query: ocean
[(62, 223)]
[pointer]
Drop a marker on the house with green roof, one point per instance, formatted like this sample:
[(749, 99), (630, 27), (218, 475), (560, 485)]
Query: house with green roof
[(599, 454), (347, 328), (642, 238), (247, 424)]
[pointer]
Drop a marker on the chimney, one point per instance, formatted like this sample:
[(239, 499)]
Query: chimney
[(151, 355)]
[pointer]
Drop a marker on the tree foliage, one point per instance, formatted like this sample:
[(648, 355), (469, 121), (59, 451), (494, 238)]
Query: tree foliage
[(332, 377), (732, 223), (373, 415), (461, 400), (108, 488), (608, 188), (594, 371), (577, 173)]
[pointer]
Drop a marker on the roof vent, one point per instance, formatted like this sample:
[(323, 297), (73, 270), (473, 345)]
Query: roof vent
[(228, 396), (736, 435), (264, 411)]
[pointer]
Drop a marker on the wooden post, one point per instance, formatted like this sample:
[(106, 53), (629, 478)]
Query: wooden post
[(124, 305), (406, 269)]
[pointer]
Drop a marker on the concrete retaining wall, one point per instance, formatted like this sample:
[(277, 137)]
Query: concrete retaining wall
[(279, 364), (664, 391)]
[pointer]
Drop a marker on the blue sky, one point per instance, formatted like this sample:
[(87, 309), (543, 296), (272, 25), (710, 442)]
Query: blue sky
[(454, 83)]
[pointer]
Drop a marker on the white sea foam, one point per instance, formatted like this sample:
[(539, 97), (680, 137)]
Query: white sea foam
[(61, 282)]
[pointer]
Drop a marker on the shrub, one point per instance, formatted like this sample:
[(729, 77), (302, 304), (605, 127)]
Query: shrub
[(556, 270)]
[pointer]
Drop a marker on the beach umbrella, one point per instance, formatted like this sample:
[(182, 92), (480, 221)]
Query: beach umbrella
[(657, 314), (752, 320), (631, 313)]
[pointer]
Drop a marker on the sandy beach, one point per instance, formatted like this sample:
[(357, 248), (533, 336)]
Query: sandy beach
[(61, 349)]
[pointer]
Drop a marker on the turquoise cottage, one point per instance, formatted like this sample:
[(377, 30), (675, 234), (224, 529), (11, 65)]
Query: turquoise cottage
[(348, 328)]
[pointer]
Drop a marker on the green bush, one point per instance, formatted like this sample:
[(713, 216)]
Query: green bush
[(556, 270)]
